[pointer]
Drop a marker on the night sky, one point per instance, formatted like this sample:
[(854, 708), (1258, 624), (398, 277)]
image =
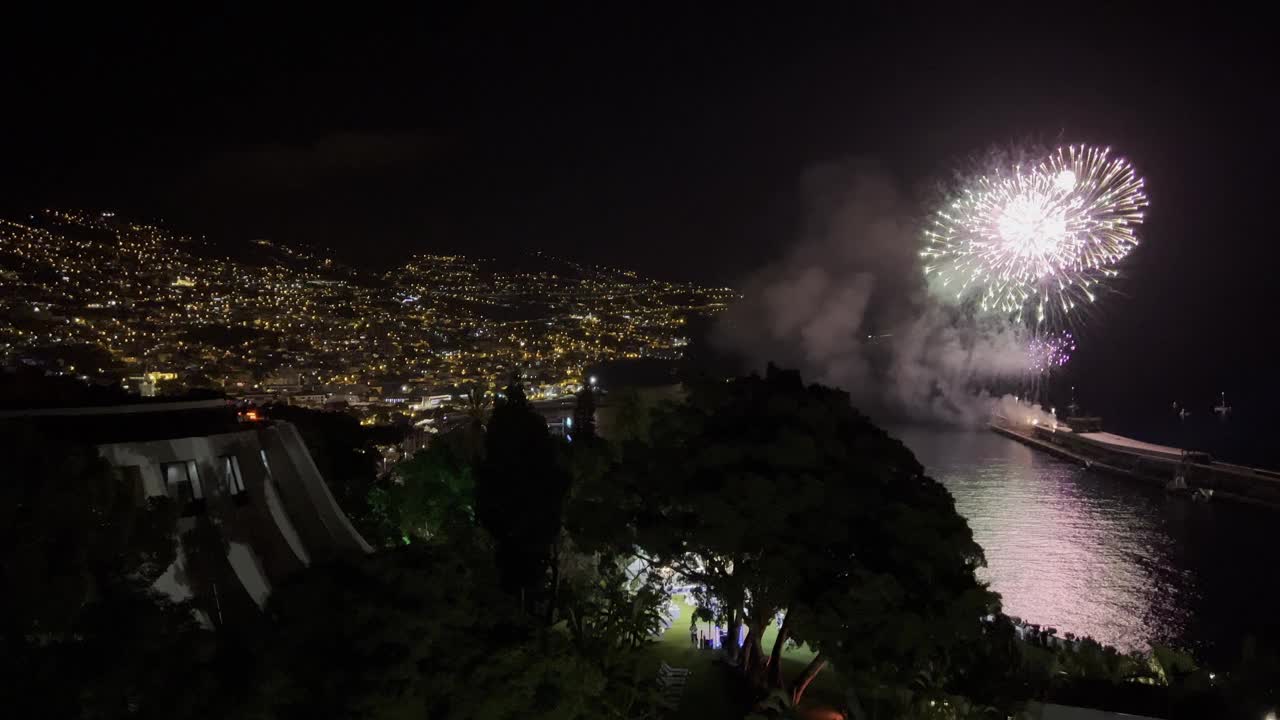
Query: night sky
[(671, 142)]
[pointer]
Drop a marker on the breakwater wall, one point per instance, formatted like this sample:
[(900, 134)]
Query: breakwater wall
[(1228, 481)]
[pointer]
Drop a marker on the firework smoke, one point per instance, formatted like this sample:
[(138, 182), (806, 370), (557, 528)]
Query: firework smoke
[(1022, 413), (919, 333), (849, 306)]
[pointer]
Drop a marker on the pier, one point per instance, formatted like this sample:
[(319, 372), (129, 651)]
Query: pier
[(1120, 456)]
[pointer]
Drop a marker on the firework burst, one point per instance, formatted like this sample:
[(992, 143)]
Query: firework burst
[(1047, 352), (1037, 240)]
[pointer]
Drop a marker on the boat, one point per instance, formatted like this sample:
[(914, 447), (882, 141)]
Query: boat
[(1223, 409)]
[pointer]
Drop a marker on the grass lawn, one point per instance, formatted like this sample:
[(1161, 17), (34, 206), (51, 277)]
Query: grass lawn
[(713, 692)]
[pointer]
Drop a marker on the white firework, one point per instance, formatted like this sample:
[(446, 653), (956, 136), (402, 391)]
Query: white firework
[(1037, 239)]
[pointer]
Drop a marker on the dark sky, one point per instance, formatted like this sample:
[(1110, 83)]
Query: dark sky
[(669, 141)]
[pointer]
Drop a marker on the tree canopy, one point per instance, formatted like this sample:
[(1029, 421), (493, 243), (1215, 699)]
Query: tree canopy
[(779, 497), (418, 631), (432, 491)]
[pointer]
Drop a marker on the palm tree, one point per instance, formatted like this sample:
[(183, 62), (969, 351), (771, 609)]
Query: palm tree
[(478, 406)]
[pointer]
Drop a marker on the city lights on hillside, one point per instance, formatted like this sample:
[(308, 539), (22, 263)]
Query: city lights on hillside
[(165, 312)]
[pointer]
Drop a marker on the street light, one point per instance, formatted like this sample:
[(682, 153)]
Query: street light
[(592, 380)]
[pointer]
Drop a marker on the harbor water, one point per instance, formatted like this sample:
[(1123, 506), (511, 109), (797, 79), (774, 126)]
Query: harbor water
[(1118, 560)]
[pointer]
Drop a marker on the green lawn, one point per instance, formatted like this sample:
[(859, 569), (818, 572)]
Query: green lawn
[(709, 693), (712, 692)]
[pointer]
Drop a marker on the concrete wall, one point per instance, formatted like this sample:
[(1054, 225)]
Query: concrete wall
[(325, 528), (284, 520)]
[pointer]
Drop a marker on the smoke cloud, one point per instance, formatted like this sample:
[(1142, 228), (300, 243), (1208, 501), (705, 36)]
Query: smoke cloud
[(849, 306), (1012, 410)]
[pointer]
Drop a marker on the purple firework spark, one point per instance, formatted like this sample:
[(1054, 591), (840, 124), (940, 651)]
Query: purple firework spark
[(1047, 352)]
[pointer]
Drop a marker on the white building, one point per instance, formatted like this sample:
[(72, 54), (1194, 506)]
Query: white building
[(255, 482)]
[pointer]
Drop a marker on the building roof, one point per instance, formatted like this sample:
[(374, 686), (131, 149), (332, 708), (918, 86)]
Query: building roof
[(131, 422)]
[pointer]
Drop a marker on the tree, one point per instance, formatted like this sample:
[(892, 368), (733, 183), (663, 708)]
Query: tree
[(419, 631), (584, 415), (70, 532), (83, 635), (611, 617), (520, 494), (433, 491), (631, 417), (588, 459), (139, 656), (779, 497), (608, 610), (477, 409)]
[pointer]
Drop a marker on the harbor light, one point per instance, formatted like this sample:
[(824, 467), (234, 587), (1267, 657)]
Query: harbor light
[(592, 380)]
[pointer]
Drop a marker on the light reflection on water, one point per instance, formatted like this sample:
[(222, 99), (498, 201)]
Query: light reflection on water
[(1102, 556)]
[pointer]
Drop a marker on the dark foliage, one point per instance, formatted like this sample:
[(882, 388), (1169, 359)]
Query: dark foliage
[(520, 494), (584, 415), (83, 636), (29, 387), (70, 531), (433, 493), (779, 496), (421, 631)]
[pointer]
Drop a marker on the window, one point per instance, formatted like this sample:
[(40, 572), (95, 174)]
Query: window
[(182, 484), (270, 478), (232, 480), (194, 475)]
